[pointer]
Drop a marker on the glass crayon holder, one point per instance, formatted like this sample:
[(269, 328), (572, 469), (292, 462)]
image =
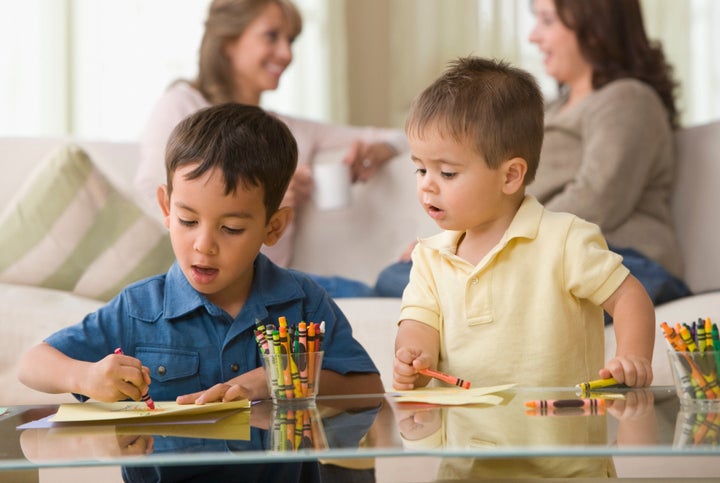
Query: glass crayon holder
[(697, 429), (292, 358), (295, 429), (694, 357)]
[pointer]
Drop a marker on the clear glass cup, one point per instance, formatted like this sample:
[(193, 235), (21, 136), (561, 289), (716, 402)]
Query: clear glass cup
[(297, 428), (293, 378), (695, 375)]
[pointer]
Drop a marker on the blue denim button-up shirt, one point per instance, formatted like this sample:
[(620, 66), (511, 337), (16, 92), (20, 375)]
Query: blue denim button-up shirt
[(190, 344)]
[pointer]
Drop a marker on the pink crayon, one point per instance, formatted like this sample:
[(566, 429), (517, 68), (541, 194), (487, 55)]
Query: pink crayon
[(146, 397), (456, 381)]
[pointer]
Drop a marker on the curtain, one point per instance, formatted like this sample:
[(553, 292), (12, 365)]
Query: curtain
[(94, 68)]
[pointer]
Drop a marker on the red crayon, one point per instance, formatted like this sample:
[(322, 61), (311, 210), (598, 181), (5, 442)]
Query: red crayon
[(567, 411), (456, 381), (146, 397), (565, 403)]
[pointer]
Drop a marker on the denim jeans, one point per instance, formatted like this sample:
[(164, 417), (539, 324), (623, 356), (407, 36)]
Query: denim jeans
[(341, 287)]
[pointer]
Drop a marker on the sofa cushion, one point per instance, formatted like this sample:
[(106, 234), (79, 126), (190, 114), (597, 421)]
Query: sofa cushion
[(68, 228)]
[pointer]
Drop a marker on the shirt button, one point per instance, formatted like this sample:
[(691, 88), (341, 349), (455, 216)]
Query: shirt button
[(474, 281), (162, 370), (234, 367)]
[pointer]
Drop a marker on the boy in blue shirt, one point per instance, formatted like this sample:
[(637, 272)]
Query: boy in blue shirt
[(187, 335)]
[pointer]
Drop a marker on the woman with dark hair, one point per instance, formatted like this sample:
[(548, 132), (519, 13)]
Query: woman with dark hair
[(245, 49), (608, 152)]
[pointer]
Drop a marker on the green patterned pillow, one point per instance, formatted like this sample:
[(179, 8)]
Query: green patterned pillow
[(69, 229)]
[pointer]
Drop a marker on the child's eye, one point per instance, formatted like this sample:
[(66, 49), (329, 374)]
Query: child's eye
[(421, 171), (447, 175), (186, 222), (233, 231)]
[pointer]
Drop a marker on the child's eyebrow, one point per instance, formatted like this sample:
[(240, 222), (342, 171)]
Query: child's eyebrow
[(233, 214)]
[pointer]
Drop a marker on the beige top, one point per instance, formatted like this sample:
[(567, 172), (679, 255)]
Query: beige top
[(181, 99), (610, 160)]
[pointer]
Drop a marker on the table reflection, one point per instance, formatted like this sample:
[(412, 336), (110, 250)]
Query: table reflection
[(508, 426), (340, 439), (337, 424)]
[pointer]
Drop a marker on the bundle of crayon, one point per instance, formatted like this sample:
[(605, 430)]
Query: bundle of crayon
[(698, 429), (294, 375), (296, 429), (700, 348)]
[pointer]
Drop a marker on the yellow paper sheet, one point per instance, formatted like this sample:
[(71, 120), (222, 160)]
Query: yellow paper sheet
[(230, 424), (124, 410), (453, 396)]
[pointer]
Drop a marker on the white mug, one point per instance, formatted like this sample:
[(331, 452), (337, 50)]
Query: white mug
[(332, 184)]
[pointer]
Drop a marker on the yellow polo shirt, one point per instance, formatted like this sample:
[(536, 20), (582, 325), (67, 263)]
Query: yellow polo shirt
[(529, 312)]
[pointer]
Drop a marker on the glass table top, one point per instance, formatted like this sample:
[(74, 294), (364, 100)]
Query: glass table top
[(648, 422)]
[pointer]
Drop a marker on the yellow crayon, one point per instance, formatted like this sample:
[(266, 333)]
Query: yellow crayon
[(597, 384)]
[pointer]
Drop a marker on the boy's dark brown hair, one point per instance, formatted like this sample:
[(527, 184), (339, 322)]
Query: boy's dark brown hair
[(248, 145), (495, 107)]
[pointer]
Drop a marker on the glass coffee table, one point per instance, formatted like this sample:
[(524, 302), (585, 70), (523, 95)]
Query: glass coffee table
[(353, 434)]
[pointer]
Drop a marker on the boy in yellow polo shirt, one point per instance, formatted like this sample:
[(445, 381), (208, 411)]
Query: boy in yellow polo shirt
[(509, 292)]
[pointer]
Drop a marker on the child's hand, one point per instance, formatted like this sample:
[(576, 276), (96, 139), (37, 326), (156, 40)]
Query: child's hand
[(251, 385), (223, 392), (634, 371), (406, 366), (117, 377)]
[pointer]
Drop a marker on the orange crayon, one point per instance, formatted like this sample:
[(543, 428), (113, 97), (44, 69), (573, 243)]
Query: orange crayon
[(456, 381)]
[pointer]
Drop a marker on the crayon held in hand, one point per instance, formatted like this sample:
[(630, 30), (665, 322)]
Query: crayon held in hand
[(445, 378), (146, 397), (598, 384)]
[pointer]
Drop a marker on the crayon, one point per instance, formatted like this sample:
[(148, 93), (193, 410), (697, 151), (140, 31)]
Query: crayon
[(598, 383), (282, 381), (302, 356), (311, 360), (715, 336), (688, 339), (288, 375), (565, 403), (299, 419), (146, 397), (576, 411), (446, 378), (307, 439), (320, 336)]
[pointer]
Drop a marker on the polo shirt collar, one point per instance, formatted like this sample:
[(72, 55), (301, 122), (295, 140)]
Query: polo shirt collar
[(271, 285), (525, 224)]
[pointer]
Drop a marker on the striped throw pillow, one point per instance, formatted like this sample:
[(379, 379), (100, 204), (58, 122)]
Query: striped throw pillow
[(67, 228)]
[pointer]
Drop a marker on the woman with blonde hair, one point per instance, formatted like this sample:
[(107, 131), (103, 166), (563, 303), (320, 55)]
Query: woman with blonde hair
[(246, 47)]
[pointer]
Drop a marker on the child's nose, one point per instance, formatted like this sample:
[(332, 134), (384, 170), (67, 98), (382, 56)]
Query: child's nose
[(205, 243), (427, 183)]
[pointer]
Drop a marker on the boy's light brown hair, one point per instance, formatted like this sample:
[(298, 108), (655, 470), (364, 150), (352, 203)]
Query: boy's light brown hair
[(495, 107)]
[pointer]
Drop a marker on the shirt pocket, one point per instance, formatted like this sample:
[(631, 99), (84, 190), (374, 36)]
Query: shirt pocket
[(173, 372)]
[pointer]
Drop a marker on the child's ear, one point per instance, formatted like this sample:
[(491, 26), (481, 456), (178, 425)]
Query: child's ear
[(279, 221), (515, 170), (163, 199)]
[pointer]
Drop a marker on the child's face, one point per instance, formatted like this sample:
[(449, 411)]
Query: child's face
[(454, 184), (215, 237)]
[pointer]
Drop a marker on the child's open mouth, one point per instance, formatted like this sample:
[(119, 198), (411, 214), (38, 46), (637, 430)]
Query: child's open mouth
[(434, 211), (204, 274)]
